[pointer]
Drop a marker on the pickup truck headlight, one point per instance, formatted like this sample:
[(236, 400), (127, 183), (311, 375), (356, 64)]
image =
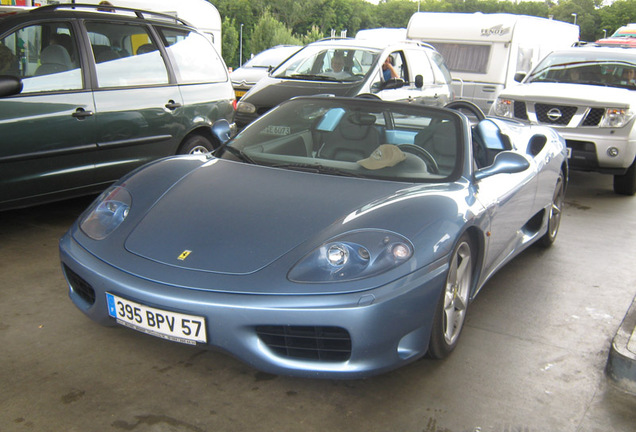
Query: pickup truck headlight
[(616, 117), (504, 107)]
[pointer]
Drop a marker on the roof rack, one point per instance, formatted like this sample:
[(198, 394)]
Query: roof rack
[(139, 13)]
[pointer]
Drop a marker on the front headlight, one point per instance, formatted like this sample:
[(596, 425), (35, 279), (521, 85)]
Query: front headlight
[(352, 256), (107, 213), (616, 117), (245, 108), (504, 107)]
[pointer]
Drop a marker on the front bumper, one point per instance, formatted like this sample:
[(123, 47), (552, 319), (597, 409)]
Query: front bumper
[(606, 153), (386, 327)]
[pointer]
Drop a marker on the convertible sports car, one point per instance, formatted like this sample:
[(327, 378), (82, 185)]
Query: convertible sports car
[(333, 237)]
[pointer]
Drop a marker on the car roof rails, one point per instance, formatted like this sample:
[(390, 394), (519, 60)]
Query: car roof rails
[(139, 13)]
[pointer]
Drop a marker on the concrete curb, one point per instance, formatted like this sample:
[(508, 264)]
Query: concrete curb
[(621, 364)]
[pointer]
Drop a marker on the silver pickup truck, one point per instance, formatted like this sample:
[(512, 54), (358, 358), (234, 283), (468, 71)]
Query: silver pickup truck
[(588, 94)]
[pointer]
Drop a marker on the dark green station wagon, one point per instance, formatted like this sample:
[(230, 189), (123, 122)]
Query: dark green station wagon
[(91, 94)]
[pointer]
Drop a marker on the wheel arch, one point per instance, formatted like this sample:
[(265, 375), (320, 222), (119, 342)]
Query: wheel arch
[(204, 131)]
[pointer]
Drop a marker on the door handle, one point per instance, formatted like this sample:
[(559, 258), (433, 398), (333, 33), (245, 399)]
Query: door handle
[(81, 113), (172, 105)]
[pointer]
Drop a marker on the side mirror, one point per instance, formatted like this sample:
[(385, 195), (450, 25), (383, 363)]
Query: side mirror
[(506, 162), (419, 81), (10, 85), (222, 131), (393, 83), (519, 76)]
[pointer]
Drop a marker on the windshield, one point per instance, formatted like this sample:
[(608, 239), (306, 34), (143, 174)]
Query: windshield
[(355, 137), (271, 57), (328, 64), (593, 68)]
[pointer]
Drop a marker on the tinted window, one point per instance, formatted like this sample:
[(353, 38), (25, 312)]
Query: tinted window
[(196, 59), (125, 55), (44, 56)]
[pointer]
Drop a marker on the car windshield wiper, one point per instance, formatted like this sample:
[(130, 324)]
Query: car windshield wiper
[(238, 153), (312, 77), (318, 169)]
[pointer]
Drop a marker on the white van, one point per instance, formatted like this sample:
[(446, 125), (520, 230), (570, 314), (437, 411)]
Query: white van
[(199, 13), (484, 52)]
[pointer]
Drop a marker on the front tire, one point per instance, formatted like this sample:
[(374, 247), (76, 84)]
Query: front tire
[(196, 144), (555, 212), (453, 303), (626, 184)]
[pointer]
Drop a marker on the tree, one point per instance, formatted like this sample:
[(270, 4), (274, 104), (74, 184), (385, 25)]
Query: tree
[(230, 42), (269, 32)]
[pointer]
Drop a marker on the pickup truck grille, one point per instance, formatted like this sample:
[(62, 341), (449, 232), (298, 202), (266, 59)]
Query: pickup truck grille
[(557, 115), (554, 114)]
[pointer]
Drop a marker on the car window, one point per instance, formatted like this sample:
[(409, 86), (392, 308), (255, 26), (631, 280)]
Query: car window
[(44, 56), (590, 68), (328, 63), (195, 57), (355, 138), (440, 70), (118, 59)]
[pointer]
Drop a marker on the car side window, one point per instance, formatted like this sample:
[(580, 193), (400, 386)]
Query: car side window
[(44, 56), (125, 55), (194, 55)]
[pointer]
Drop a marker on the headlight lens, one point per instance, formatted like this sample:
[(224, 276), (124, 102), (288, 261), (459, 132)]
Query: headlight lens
[(106, 213), (616, 117), (504, 107), (352, 256), (245, 108)]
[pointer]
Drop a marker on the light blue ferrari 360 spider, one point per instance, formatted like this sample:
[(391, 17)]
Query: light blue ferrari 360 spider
[(333, 237)]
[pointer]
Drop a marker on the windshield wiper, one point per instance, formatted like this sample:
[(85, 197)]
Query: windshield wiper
[(312, 77), (238, 153), (318, 169)]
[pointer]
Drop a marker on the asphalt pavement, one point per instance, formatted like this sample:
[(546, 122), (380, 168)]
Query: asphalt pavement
[(533, 356)]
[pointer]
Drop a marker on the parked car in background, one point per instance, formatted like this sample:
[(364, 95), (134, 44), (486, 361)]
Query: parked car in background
[(588, 94), (102, 93), (624, 37), (353, 234), (352, 67), (258, 67)]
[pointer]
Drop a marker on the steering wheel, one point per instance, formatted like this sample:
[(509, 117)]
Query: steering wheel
[(471, 108), (422, 154)]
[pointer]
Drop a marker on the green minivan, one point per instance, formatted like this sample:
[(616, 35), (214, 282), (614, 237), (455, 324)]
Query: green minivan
[(91, 94)]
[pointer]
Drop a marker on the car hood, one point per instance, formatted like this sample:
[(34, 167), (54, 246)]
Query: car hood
[(564, 93), (272, 91), (232, 218), (248, 75)]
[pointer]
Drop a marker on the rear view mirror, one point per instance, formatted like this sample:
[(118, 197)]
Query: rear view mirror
[(10, 85), (222, 131), (506, 162), (419, 81), (393, 83)]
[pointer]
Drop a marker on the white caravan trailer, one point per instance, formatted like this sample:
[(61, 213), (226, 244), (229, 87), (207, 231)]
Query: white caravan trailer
[(484, 52), (199, 13)]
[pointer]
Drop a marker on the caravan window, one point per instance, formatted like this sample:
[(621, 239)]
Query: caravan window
[(464, 57)]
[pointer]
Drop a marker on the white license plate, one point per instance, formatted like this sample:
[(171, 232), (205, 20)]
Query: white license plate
[(176, 327)]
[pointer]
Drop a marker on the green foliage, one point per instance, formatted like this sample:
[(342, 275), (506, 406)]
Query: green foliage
[(267, 23), (230, 42)]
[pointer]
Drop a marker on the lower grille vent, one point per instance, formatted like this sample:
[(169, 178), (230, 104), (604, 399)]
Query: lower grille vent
[(325, 344), (80, 286)]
